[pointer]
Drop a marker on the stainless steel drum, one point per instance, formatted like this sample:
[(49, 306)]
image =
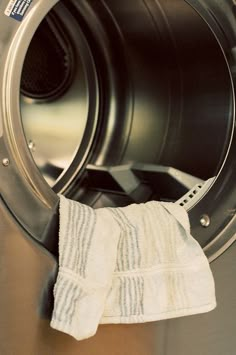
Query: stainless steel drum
[(111, 102)]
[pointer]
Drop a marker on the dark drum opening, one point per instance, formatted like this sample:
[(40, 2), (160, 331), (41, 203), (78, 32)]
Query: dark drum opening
[(163, 96)]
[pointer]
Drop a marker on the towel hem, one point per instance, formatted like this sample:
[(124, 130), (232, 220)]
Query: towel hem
[(134, 319), (158, 316)]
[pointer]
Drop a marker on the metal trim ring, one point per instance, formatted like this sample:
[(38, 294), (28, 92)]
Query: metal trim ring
[(32, 196), (35, 202)]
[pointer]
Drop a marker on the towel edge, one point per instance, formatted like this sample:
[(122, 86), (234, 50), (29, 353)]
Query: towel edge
[(159, 316)]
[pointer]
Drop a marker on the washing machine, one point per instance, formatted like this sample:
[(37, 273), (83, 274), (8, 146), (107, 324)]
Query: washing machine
[(111, 103)]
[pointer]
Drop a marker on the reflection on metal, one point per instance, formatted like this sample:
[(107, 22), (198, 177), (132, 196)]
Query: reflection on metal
[(58, 127), (5, 162), (205, 221), (32, 145), (153, 87), (144, 91), (158, 99)]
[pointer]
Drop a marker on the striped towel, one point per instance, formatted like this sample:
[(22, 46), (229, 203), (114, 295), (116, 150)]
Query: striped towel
[(127, 265)]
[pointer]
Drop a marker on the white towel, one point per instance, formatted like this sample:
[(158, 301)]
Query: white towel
[(127, 265)]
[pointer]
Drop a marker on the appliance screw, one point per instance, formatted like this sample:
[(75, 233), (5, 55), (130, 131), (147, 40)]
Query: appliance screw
[(32, 146), (5, 162), (205, 221)]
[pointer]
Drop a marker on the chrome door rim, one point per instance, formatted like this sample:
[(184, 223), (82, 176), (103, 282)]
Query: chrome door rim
[(19, 172)]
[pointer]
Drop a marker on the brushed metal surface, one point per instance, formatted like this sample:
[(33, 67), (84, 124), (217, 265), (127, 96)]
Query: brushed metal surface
[(147, 75), (160, 89)]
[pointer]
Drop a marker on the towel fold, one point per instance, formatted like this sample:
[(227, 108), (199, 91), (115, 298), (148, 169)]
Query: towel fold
[(127, 265)]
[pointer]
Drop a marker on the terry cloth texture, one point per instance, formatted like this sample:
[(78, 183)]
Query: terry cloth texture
[(127, 265)]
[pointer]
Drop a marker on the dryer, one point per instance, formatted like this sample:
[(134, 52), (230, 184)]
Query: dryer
[(111, 103)]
